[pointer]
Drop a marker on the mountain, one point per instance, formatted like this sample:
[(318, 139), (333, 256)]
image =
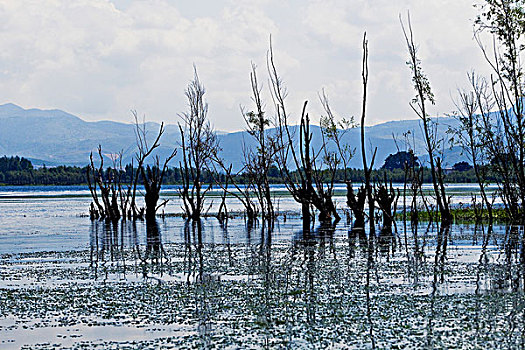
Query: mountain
[(55, 137)]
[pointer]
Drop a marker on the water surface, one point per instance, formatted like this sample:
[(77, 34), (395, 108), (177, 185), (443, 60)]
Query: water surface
[(68, 282)]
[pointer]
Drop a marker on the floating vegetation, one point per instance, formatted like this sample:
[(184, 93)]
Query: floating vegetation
[(269, 288)]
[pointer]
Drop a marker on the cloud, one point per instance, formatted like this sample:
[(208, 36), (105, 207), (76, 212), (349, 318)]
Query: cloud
[(101, 58)]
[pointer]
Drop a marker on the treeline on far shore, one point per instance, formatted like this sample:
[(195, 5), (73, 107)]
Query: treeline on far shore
[(20, 171)]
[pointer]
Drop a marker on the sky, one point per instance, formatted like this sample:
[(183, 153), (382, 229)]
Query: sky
[(99, 59)]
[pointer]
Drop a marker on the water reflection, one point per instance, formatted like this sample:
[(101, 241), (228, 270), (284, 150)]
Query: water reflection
[(387, 242), (107, 248), (266, 274), (357, 234), (154, 260), (115, 247), (322, 277), (483, 261), (438, 277), (193, 258)]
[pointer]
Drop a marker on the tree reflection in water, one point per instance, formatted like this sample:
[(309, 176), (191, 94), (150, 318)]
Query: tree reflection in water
[(253, 278), (155, 253), (438, 276), (358, 232), (264, 313), (204, 284), (107, 249), (481, 270), (109, 253)]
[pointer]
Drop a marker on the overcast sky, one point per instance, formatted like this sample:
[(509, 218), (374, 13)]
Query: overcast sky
[(98, 58)]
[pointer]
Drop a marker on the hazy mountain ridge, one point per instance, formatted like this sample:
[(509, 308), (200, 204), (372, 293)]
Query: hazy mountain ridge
[(57, 137)]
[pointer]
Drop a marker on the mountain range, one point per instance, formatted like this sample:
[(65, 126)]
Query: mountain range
[(54, 137)]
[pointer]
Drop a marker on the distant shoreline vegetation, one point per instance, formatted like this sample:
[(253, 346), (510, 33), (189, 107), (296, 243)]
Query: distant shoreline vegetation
[(20, 171)]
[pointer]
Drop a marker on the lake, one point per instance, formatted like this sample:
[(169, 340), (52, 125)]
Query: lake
[(69, 282)]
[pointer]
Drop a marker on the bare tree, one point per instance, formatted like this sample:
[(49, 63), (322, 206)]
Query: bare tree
[(125, 191), (368, 189), (152, 176), (243, 193), (199, 146), (107, 184), (504, 131), (386, 198), (333, 132), (305, 184), (418, 104), (469, 132), (356, 202), (367, 169), (118, 200), (257, 163)]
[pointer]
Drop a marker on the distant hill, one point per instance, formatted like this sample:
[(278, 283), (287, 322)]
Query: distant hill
[(55, 137)]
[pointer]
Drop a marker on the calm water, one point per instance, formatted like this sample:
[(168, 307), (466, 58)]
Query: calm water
[(43, 218), (68, 282)]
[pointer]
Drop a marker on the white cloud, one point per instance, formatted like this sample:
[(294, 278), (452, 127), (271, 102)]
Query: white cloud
[(101, 58)]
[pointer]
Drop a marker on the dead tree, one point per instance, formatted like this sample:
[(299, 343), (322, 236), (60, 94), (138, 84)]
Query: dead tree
[(386, 198), (305, 184), (118, 200), (143, 151), (504, 130), (257, 163), (418, 105), (199, 147), (115, 194), (368, 188), (152, 176), (333, 132), (356, 202), (468, 132), (106, 183), (243, 193), (367, 169), (125, 191)]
